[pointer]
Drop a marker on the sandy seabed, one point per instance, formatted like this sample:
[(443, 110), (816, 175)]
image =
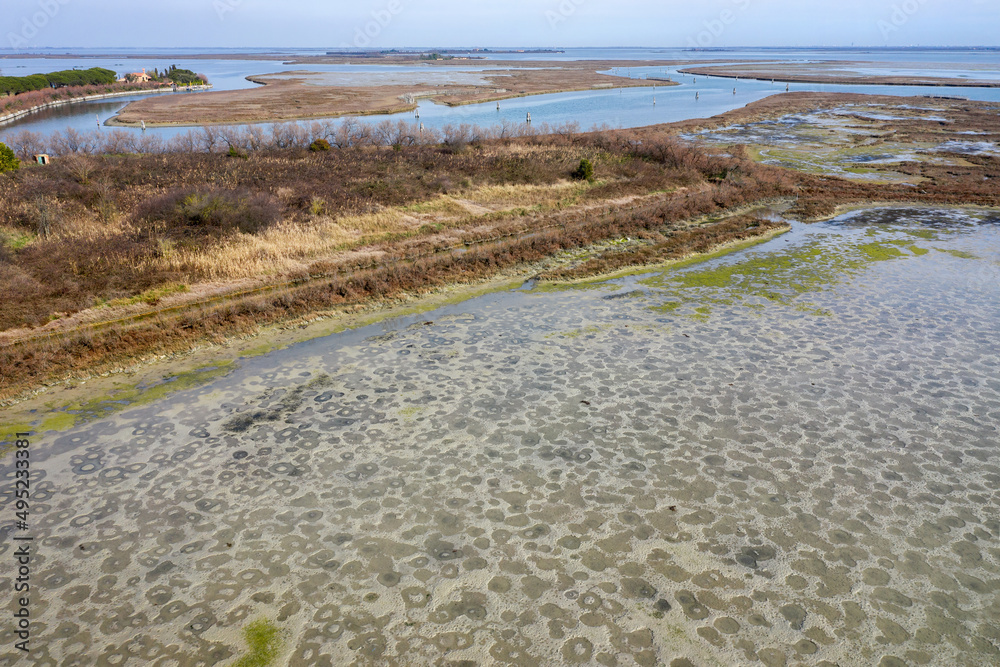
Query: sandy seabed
[(792, 460)]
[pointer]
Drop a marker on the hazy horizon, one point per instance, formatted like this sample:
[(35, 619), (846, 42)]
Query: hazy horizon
[(384, 24)]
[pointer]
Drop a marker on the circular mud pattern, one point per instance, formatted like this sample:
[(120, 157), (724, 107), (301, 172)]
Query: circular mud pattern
[(557, 478)]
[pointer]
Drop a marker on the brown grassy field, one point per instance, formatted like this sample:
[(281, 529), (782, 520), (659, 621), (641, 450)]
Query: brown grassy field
[(107, 258), (300, 96)]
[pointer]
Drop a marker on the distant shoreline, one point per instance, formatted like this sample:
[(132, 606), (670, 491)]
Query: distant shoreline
[(783, 72), (8, 118)]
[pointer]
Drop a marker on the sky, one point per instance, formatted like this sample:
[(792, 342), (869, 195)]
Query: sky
[(334, 24)]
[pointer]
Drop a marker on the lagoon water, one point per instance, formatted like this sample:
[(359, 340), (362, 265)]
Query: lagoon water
[(626, 108), (787, 455)]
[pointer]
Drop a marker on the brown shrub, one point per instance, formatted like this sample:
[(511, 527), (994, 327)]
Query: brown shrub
[(215, 212)]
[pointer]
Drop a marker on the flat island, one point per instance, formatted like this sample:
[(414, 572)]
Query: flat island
[(302, 94), (853, 73)]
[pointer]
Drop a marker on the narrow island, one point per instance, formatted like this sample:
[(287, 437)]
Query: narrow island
[(847, 73), (302, 94), (22, 95)]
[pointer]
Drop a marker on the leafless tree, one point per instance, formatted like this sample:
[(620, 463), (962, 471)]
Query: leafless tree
[(26, 144), (208, 138)]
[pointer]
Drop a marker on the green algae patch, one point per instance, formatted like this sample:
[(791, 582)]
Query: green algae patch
[(701, 313), (557, 286), (602, 282), (668, 307), (264, 642), (411, 412), (880, 251), (576, 333), (927, 234), (8, 435), (58, 421), (780, 277), (961, 254), (129, 396)]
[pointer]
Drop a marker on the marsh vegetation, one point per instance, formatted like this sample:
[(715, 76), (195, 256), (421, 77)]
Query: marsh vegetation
[(111, 253)]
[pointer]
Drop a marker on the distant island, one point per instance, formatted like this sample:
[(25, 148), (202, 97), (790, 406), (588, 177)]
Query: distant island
[(428, 54), (304, 94), (20, 95)]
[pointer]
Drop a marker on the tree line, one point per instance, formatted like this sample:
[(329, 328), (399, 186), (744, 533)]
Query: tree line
[(15, 85)]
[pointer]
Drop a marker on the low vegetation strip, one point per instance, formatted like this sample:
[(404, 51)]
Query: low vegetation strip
[(676, 245)]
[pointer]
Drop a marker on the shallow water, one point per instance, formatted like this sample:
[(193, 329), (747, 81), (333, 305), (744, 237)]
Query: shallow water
[(628, 108), (787, 454)]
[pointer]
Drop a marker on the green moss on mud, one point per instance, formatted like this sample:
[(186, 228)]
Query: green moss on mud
[(780, 277), (264, 641), (961, 254), (130, 396)]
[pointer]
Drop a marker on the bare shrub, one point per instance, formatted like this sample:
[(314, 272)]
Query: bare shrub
[(183, 143), (26, 144), (119, 142), (74, 141), (455, 138), (192, 212), (208, 138)]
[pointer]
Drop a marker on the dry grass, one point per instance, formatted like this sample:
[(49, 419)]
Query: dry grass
[(505, 197)]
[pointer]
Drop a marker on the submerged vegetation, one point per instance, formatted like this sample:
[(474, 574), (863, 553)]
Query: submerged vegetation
[(784, 277), (264, 640)]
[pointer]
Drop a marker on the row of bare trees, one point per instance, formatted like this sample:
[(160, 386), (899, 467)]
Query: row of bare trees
[(346, 133)]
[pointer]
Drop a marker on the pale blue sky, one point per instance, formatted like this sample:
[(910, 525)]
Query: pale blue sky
[(390, 23)]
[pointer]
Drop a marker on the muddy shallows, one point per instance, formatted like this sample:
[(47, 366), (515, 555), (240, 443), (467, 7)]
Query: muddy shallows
[(786, 455)]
